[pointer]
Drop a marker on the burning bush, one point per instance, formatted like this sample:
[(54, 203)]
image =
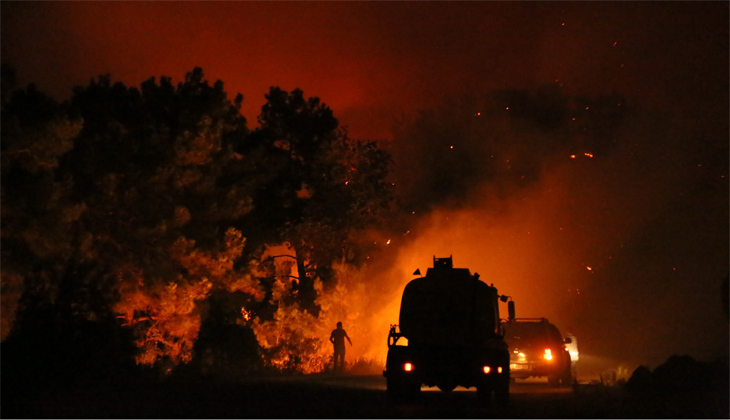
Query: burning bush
[(165, 316), (286, 341), (297, 341)]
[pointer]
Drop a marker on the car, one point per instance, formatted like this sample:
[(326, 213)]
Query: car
[(537, 349)]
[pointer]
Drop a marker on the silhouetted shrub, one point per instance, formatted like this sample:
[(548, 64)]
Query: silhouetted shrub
[(682, 373)]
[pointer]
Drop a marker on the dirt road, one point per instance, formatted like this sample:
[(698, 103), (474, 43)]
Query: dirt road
[(327, 396)]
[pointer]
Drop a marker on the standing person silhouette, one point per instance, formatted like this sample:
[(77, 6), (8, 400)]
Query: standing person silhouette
[(337, 338)]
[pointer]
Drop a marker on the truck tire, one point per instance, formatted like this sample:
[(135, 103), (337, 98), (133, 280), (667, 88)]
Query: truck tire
[(484, 395), (554, 379), (399, 390), (567, 377), (394, 388), (501, 395)]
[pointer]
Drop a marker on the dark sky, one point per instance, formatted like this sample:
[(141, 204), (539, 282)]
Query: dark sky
[(650, 219), (371, 60)]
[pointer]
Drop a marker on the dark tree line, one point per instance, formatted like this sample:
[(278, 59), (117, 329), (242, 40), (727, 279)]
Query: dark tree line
[(131, 206)]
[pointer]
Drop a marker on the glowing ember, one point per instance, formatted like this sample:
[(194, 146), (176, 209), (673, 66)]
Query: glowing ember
[(246, 314)]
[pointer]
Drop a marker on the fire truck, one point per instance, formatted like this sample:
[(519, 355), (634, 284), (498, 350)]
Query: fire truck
[(450, 320)]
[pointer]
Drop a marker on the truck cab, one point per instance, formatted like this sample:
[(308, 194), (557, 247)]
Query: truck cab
[(450, 320)]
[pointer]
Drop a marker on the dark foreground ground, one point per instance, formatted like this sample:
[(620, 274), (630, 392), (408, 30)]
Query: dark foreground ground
[(327, 396)]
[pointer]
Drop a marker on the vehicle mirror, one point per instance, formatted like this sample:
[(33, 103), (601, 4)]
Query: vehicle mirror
[(568, 340)]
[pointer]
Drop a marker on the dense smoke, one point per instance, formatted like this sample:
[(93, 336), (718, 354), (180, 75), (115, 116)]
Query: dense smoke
[(593, 223)]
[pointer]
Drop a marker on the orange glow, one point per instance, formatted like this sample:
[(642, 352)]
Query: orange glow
[(246, 314), (487, 244), (589, 269), (572, 156), (590, 155), (548, 354), (507, 108), (408, 367), (388, 243), (487, 369)]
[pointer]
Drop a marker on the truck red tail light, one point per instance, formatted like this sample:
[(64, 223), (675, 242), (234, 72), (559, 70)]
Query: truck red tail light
[(487, 369), (499, 369), (408, 367)]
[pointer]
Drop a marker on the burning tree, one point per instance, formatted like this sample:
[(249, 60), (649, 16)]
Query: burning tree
[(324, 188), (132, 201), (158, 174), (165, 316), (144, 201), (296, 340)]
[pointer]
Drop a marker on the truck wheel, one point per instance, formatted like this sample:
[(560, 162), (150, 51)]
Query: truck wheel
[(484, 395), (567, 378), (399, 390), (501, 394), (414, 390), (395, 389), (554, 379)]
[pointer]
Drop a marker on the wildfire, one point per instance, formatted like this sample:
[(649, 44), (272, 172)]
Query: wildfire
[(590, 155), (297, 341), (388, 243), (246, 314)]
